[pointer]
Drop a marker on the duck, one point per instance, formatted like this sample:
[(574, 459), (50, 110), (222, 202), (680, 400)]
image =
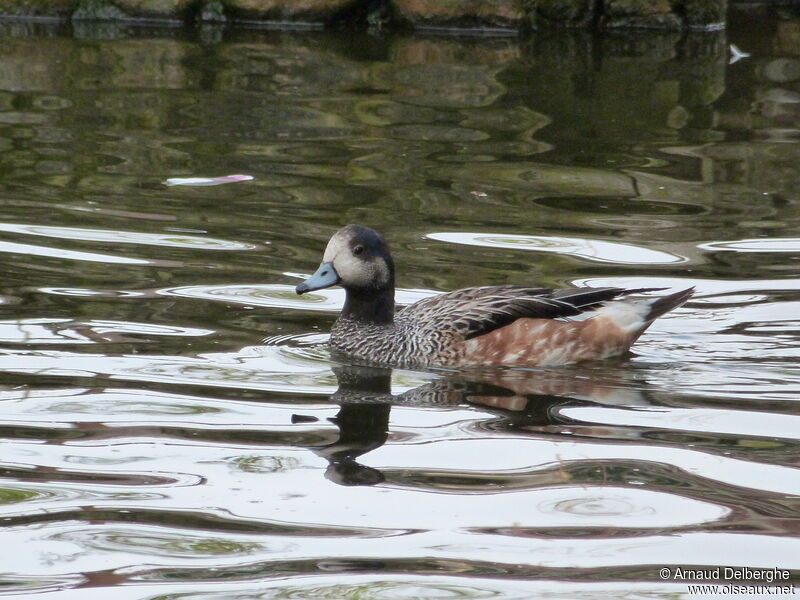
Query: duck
[(493, 325)]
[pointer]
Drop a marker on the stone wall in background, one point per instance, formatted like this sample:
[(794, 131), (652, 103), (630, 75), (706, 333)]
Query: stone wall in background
[(512, 15)]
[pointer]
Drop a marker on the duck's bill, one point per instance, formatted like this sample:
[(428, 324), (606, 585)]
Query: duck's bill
[(325, 277)]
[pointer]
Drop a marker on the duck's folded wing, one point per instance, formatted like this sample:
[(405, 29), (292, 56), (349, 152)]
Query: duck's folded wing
[(472, 312)]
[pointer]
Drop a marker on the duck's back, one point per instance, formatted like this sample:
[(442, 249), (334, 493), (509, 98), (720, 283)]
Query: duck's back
[(507, 325)]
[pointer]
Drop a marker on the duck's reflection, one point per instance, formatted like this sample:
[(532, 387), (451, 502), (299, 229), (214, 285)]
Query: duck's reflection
[(365, 398), (523, 400)]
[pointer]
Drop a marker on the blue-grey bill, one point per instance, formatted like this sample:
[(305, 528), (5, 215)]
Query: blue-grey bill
[(325, 277)]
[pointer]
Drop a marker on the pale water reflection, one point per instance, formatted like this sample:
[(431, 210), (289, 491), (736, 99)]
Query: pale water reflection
[(172, 240), (597, 250), (173, 423)]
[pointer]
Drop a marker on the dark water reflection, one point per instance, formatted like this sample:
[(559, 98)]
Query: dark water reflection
[(173, 425)]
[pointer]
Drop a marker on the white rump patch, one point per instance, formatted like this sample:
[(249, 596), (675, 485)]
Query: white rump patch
[(627, 315)]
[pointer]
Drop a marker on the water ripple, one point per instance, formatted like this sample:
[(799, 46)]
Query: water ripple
[(550, 454), (280, 296), (271, 295), (158, 542), (747, 424), (67, 331), (594, 250), (60, 253), (170, 240), (257, 367), (754, 245)]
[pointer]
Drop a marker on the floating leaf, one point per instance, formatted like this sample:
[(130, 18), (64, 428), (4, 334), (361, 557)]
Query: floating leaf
[(207, 180)]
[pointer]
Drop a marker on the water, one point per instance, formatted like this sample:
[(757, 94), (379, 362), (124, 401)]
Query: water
[(172, 423)]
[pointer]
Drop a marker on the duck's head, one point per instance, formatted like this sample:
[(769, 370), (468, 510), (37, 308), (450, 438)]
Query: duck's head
[(358, 259)]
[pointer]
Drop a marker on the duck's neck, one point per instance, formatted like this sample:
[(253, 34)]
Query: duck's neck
[(372, 308)]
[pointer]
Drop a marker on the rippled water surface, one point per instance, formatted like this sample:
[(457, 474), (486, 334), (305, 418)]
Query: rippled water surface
[(172, 423)]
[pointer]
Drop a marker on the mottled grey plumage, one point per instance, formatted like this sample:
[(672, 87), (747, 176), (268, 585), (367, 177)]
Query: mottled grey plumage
[(450, 329), (426, 332)]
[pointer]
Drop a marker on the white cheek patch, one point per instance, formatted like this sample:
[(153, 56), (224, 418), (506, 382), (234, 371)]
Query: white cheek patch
[(336, 246), (360, 273), (353, 271)]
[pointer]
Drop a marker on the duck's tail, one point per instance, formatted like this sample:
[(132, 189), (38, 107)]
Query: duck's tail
[(664, 304), (630, 317)]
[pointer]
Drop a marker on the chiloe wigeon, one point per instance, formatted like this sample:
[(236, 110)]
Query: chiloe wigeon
[(478, 326)]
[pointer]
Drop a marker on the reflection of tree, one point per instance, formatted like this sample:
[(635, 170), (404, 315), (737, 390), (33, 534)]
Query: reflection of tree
[(415, 127)]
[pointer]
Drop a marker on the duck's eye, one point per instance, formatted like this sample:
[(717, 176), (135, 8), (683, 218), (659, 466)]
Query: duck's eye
[(358, 250)]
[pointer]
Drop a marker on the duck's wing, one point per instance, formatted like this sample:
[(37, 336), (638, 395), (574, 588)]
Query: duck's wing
[(472, 312)]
